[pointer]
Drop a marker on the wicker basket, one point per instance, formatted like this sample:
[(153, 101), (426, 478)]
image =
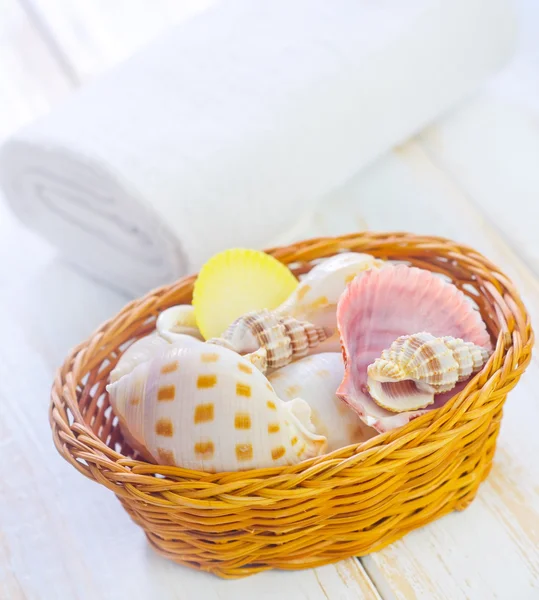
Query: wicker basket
[(353, 501)]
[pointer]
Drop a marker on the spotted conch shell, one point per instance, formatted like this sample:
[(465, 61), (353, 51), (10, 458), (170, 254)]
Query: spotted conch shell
[(270, 341), (177, 320), (415, 367), (315, 298), (315, 379), (204, 407), (381, 305)]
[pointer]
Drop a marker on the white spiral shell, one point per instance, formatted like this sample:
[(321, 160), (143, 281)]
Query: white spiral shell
[(315, 379), (429, 365)]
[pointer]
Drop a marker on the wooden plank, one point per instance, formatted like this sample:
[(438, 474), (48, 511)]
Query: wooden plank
[(490, 146), (453, 558), (61, 532), (477, 148), (30, 78), (490, 550), (97, 34), (31, 81), (430, 187)]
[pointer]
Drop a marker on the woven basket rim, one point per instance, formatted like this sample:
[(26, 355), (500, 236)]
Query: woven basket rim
[(75, 433)]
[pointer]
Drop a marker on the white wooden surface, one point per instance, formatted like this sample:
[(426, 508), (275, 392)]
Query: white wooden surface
[(473, 177)]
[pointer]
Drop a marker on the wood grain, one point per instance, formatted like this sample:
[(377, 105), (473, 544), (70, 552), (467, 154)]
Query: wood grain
[(30, 78), (61, 536), (476, 147), (97, 34), (63, 533), (472, 177), (490, 550)]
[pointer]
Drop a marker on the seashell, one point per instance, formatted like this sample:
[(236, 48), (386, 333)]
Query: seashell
[(415, 367), (177, 320), (381, 305), (315, 379), (270, 341), (175, 324), (139, 351), (143, 349), (207, 408), (315, 298), (235, 282)]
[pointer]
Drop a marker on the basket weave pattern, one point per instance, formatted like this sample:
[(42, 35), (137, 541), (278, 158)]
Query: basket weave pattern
[(353, 501)]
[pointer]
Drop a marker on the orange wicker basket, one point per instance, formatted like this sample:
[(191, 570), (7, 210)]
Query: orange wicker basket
[(353, 501)]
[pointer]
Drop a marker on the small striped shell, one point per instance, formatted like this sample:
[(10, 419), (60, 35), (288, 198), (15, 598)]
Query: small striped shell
[(177, 320), (270, 341), (205, 407), (416, 367)]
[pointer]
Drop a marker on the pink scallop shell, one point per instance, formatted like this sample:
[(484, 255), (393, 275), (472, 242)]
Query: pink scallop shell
[(382, 304)]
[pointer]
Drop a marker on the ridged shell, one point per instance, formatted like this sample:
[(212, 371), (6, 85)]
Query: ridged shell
[(237, 281), (315, 299), (428, 364), (177, 320), (315, 379), (381, 305), (207, 408), (270, 341)]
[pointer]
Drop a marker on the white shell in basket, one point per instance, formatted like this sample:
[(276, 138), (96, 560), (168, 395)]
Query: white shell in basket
[(139, 352), (315, 379), (415, 367), (205, 407), (315, 299), (381, 305), (178, 320)]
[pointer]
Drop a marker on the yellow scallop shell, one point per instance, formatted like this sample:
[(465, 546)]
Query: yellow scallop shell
[(235, 282)]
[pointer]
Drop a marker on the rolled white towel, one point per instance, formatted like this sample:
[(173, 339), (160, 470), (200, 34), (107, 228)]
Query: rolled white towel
[(227, 130)]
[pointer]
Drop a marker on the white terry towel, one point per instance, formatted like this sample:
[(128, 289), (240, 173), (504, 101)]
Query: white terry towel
[(228, 129)]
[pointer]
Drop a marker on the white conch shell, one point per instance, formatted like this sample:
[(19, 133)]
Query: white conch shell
[(178, 320), (270, 341), (315, 298), (415, 367), (315, 379), (205, 407)]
